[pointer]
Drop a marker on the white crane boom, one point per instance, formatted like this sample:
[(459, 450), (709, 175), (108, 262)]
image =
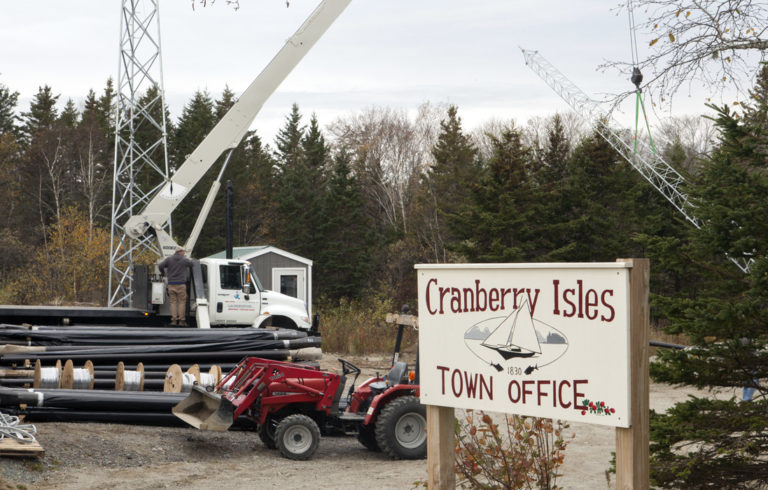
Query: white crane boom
[(662, 176), (231, 129)]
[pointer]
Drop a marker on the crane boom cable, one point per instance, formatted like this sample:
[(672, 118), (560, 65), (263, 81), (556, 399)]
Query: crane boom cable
[(632, 33)]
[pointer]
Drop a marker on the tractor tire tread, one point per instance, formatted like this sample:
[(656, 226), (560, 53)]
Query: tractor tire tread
[(386, 426), (367, 437), (289, 422), (266, 435)]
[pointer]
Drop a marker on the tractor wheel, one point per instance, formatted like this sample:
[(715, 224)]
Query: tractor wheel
[(297, 437), (267, 432), (401, 428), (367, 437)]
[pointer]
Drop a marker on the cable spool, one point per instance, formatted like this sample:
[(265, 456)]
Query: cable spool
[(215, 372), (47, 378), (126, 380), (174, 379), (177, 381), (77, 379)]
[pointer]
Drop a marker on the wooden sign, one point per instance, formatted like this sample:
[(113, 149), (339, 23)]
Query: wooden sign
[(566, 341), (545, 340)]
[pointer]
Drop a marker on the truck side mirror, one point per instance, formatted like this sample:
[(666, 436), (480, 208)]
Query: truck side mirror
[(248, 288)]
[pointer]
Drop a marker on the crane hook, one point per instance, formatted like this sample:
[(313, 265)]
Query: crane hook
[(636, 78)]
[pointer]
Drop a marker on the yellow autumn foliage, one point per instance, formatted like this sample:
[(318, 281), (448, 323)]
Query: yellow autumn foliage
[(73, 266)]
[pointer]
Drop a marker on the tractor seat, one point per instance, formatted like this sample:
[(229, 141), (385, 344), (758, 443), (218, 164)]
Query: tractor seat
[(394, 376)]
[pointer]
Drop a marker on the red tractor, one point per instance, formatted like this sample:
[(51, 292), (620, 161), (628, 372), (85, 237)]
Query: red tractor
[(293, 404)]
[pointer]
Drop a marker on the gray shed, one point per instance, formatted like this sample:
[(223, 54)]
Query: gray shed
[(278, 270)]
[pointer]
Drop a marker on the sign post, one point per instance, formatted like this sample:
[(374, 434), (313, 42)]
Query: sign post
[(632, 453), (562, 341)]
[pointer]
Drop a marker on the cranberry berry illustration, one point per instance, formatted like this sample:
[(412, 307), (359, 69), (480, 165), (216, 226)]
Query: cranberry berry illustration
[(599, 408)]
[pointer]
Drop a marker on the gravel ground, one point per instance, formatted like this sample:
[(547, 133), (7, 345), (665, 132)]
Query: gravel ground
[(97, 456)]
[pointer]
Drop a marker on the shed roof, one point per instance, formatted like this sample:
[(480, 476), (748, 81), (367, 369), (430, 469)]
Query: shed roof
[(246, 253)]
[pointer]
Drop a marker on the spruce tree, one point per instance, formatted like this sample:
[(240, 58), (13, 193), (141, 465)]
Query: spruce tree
[(196, 121), (42, 113), (448, 183), (255, 189), (224, 103), (8, 117), (288, 139), (709, 441), (297, 189), (344, 260), (498, 223), (69, 116)]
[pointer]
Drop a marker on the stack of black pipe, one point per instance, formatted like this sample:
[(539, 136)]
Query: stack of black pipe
[(125, 407), (105, 346)]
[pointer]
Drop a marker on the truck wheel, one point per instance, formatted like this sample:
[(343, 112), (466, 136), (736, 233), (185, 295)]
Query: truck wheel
[(367, 437), (297, 437), (267, 432), (401, 428)]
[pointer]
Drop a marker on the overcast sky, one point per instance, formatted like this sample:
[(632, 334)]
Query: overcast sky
[(396, 53)]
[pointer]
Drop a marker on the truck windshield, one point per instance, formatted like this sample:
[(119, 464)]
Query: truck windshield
[(255, 280)]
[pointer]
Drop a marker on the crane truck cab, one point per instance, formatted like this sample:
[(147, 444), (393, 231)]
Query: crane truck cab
[(232, 295)]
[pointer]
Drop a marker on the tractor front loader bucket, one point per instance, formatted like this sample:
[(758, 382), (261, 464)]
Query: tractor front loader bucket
[(205, 410)]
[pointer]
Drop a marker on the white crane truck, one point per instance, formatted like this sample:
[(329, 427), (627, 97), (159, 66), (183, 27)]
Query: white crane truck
[(224, 291)]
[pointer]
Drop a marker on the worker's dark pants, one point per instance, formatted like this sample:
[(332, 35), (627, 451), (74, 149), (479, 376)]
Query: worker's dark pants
[(177, 293)]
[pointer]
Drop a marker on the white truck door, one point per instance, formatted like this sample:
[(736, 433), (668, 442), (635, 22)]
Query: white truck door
[(231, 304)]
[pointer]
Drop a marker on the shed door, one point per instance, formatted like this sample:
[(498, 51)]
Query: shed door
[(290, 281)]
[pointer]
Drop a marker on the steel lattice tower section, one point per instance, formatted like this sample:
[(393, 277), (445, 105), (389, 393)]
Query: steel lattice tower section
[(660, 174), (141, 150)]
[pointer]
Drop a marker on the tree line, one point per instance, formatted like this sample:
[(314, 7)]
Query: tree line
[(365, 198)]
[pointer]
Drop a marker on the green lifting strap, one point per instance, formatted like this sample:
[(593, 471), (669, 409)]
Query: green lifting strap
[(640, 105)]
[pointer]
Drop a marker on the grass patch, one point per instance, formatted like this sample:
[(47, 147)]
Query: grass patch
[(359, 326)]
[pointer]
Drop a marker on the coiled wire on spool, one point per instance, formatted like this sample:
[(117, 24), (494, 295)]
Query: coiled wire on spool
[(127, 380), (178, 382), (77, 379), (47, 378)]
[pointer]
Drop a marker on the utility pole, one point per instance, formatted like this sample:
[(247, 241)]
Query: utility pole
[(141, 147)]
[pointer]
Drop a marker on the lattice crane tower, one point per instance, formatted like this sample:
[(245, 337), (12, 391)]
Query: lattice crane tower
[(141, 149), (650, 164)]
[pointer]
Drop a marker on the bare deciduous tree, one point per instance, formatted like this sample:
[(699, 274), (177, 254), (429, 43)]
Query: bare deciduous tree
[(717, 43), (391, 151)]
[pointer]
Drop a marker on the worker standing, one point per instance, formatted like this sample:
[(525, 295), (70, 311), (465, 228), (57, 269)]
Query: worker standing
[(175, 269)]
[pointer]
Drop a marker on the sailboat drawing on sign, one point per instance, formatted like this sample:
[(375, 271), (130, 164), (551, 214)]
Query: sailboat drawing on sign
[(515, 336)]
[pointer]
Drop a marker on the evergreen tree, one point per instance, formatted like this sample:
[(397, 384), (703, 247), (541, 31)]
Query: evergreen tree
[(8, 118), (255, 190), (593, 216), (501, 218), (301, 161), (42, 112), (69, 116), (226, 101), (288, 139), (196, 121), (555, 155), (723, 312), (449, 181), (344, 261), (106, 111)]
